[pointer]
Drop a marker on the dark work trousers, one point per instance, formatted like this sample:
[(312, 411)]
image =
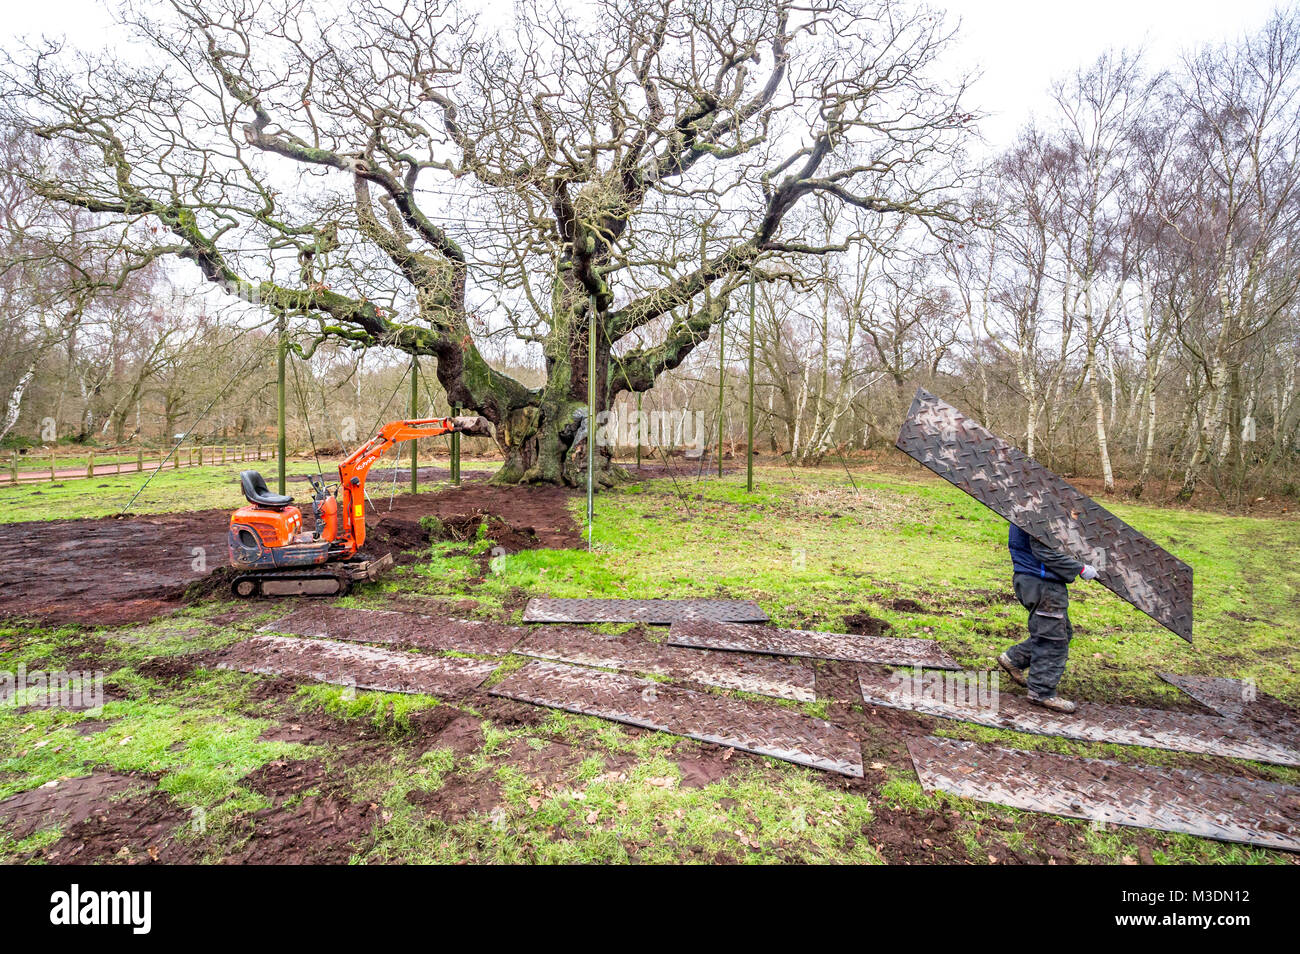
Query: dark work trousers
[(1045, 651)]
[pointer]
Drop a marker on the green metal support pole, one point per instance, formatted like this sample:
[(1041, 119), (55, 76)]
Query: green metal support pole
[(455, 451), (281, 351), (415, 398), (722, 387), (591, 417), (749, 436)]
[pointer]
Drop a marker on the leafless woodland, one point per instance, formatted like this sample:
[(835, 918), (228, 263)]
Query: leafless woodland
[(1115, 292)]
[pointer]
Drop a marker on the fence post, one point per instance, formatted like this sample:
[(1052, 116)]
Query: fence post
[(13, 467), (176, 462), (139, 458), (90, 467), (52, 477), (223, 454)]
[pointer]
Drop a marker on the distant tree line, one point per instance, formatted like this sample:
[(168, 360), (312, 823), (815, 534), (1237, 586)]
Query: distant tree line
[(1122, 305)]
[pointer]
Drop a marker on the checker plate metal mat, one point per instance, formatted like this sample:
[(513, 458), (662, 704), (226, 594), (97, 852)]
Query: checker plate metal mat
[(399, 629), (723, 670), (765, 677), (764, 730), (1235, 699), (1019, 489), (898, 651), (1093, 722), (654, 612), (365, 667), (1180, 800), (1240, 701)]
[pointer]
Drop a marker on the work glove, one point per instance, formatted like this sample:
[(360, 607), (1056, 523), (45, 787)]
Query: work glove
[(1088, 572)]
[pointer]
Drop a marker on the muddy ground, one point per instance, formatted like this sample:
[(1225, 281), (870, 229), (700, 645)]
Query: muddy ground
[(316, 816), (118, 570)]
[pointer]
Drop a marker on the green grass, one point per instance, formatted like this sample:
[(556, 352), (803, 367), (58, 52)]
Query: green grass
[(172, 490), (601, 817), (811, 551), (805, 545), (194, 745)]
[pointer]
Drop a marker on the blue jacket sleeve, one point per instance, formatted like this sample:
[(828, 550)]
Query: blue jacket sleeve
[(1064, 566)]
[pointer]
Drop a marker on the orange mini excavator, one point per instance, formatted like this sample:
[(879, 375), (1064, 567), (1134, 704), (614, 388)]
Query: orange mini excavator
[(276, 557)]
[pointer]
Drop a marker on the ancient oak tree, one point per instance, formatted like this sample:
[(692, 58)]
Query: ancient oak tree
[(418, 178)]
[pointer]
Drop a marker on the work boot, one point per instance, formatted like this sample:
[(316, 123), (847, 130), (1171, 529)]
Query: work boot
[(1053, 702), (1017, 675)]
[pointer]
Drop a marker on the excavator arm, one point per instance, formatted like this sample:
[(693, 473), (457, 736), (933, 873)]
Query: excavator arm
[(354, 468)]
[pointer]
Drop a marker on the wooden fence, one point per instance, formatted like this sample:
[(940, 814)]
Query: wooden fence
[(195, 456)]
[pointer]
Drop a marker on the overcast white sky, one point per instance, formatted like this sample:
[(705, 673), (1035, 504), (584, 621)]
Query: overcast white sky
[(1022, 45), (1019, 45)]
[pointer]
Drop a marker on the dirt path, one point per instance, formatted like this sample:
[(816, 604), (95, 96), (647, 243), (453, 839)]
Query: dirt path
[(114, 571)]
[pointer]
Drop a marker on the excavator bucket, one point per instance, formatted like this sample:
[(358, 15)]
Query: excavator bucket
[(472, 425)]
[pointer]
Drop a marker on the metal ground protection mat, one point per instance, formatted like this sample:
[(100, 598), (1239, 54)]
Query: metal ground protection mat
[(1018, 488), (399, 629), (1239, 701), (765, 677), (364, 667), (1093, 722), (1234, 699), (765, 730), (898, 651), (654, 612), (1243, 810)]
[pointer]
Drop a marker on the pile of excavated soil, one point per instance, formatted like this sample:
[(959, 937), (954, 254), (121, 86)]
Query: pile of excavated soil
[(406, 540), (864, 624), (522, 518)]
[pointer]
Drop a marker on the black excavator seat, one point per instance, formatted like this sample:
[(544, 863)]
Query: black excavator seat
[(256, 491)]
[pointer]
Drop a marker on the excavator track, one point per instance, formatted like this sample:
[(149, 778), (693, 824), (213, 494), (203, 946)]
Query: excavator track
[(289, 583), (309, 581)]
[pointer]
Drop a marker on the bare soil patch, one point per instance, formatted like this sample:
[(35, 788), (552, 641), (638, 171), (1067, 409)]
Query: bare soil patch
[(116, 571), (905, 605), (64, 802), (104, 572), (139, 830), (460, 797), (864, 624), (319, 829)]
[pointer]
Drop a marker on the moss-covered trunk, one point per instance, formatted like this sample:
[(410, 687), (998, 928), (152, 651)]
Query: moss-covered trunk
[(545, 441)]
